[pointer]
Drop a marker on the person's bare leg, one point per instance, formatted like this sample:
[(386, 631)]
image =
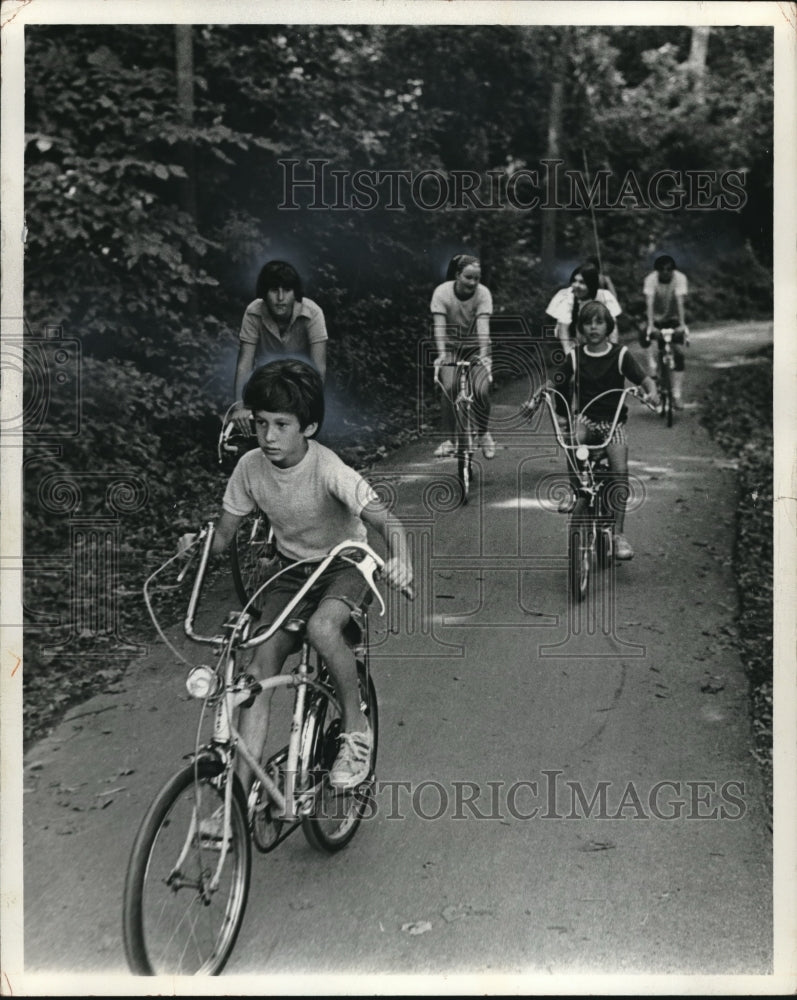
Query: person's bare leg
[(253, 721), (325, 632), (618, 496)]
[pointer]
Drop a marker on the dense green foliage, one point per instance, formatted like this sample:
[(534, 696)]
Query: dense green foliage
[(149, 216), (738, 413)]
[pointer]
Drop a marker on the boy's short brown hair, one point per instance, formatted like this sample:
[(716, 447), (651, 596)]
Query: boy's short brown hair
[(287, 385)]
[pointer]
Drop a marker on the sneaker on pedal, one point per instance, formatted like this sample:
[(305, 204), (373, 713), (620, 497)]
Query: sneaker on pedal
[(622, 548), (487, 445), (444, 450), (353, 763)]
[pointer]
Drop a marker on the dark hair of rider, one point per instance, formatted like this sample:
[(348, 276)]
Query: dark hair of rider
[(287, 386), (278, 274)]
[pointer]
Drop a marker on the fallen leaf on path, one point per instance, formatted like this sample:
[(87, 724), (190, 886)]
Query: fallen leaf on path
[(417, 927), (598, 845), (452, 913)]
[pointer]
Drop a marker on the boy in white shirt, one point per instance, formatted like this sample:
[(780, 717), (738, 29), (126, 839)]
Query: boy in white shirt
[(313, 501)]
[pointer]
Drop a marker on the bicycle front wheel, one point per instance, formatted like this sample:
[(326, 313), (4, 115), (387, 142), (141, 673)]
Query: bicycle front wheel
[(249, 561), (336, 815), (183, 908), (464, 473), (579, 550), (666, 394)]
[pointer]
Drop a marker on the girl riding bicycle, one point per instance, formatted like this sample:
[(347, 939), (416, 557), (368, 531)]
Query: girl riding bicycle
[(592, 368), (461, 308), (567, 303)]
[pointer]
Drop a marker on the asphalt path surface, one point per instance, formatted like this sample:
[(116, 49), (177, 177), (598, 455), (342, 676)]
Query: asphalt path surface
[(558, 794)]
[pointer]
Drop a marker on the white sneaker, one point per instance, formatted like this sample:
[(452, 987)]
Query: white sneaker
[(622, 548), (353, 763), (444, 450), (488, 445)]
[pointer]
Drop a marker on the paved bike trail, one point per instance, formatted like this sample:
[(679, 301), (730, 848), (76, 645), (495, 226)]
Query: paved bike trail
[(626, 729)]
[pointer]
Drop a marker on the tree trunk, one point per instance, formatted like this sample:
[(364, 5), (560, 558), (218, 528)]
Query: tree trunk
[(184, 70), (697, 60), (553, 151)]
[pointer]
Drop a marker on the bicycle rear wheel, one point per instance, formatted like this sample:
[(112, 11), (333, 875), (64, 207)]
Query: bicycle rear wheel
[(249, 557), (175, 921), (579, 550), (336, 815)]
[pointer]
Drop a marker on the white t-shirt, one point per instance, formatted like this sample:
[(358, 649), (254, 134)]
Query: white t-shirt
[(561, 305), (312, 506), (461, 314), (665, 294)]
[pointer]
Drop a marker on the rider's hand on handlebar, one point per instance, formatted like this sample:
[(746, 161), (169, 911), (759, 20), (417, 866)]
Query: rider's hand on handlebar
[(241, 416), (651, 398), (184, 542), (441, 359), (397, 573)]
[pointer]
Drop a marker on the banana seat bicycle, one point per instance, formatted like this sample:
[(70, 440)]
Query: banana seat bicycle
[(189, 870), (591, 523)]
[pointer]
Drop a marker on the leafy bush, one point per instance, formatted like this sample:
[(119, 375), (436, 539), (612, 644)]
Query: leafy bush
[(738, 413)]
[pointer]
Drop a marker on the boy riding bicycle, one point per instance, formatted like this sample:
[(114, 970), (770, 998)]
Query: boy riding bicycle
[(665, 290), (313, 501), (592, 368)]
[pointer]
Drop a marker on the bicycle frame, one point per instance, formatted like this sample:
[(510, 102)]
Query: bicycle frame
[(666, 345), (220, 686), (462, 403), (464, 433), (666, 367), (584, 532)]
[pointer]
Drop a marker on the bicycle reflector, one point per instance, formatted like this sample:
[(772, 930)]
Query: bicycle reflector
[(582, 453), (202, 682)]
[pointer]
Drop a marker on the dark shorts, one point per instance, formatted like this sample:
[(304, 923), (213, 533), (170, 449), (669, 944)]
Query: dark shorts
[(341, 581)]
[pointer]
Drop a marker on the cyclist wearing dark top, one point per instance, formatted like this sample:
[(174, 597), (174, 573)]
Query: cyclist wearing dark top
[(592, 368)]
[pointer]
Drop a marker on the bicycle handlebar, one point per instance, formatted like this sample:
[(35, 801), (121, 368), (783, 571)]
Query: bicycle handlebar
[(369, 566), (462, 364), (669, 334), (547, 390)]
